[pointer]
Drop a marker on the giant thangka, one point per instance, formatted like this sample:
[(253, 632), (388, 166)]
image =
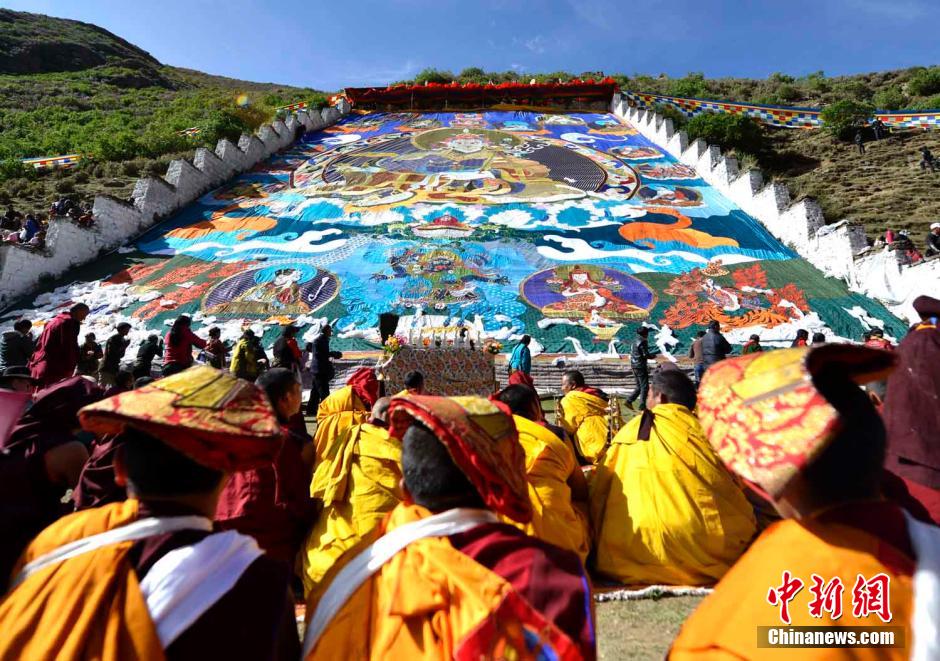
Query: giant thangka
[(571, 228)]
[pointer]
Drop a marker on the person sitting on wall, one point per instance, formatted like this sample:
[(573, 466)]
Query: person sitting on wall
[(30, 229), (933, 241)]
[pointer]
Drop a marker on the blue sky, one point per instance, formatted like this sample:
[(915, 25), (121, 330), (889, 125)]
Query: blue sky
[(329, 45)]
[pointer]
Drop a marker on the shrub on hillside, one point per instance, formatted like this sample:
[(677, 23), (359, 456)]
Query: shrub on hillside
[(12, 168), (222, 124), (841, 117), (433, 76), (679, 118), (890, 98), (693, 85), (737, 132), (924, 82), (930, 103)]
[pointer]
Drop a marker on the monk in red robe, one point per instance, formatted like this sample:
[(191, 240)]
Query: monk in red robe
[(57, 353), (272, 503), (457, 582), (161, 583), (39, 463), (795, 426), (912, 408)]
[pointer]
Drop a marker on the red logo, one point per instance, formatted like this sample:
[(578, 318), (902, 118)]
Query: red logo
[(784, 594)]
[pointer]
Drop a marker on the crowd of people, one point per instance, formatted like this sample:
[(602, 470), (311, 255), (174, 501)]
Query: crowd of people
[(30, 229), (183, 511)]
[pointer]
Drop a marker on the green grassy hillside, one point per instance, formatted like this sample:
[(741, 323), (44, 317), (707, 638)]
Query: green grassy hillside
[(67, 87)]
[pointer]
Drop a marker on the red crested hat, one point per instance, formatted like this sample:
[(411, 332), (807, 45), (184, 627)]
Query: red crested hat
[(480, 436)]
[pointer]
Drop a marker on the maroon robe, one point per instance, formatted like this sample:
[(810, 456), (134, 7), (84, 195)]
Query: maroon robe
[(96, 486), (272, 503), (551, 579), (912, 408), (29, 500), (254, 620), (56, 353)]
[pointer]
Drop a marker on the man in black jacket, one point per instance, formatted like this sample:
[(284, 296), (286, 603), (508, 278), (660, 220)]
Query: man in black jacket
[(149, 349), (639, 355), (114, 350), (714, 345), (321, 365), (16, 346)]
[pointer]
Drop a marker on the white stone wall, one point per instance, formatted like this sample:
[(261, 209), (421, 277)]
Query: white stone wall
[(833, 249), (153, 199)]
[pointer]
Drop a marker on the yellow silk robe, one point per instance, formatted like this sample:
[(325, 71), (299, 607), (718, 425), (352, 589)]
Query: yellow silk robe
[(724, 626), (338, 412), (430, 601), (358, 481), (665, 510), (549, 462), (584, 417), (87, 607)]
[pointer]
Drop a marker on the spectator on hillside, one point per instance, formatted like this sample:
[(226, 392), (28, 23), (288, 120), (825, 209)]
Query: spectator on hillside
[(860, 142), (752, 345), (178, 346), (38, 241), (216, 351), (16, 346), (89, 354), (802, 338), (933, 241), (715, 347), (639, 364), (698, 358), (889, 236), (818, 338), (246, 359), (10, 220), (879, 128), (149, 349), (927, 160), (286, 353), (321, 365), (123, 382), (30, 229), (114, 350)]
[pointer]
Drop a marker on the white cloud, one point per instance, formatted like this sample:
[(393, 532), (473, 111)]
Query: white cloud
[(536, 44)]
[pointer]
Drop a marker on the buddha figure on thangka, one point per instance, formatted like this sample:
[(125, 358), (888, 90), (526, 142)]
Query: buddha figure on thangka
[(438, 277), (461, 165), (747, 301), (599, 299)]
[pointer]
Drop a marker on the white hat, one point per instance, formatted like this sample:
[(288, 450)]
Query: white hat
[(934, 226)]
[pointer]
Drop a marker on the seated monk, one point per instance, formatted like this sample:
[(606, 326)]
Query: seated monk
[(664, 510), (448, 580), (583, 414), (162, 584), (557, 488), (822, 473), (414, 384), (346, 407), (272, 503), (357, 481), (39, 462)]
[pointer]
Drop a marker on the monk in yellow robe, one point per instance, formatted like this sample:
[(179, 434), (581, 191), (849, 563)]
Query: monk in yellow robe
[(664, 510), (348, 406), (357, 480), (557, 488), (795, 425), (153, 580), (448, 580), (414, 384), (583, 414)]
